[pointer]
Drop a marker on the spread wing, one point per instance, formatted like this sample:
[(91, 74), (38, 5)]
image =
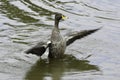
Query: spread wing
[(78, 35), (38, 49)]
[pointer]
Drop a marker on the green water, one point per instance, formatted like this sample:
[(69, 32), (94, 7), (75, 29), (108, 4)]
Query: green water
[(24, 23)]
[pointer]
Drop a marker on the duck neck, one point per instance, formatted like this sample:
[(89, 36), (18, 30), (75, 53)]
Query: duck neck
[(57, 23)]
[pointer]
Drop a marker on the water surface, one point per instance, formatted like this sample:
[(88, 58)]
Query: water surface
[(23, 23)]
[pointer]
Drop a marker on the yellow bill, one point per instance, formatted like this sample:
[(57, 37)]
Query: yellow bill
[(64, 17)]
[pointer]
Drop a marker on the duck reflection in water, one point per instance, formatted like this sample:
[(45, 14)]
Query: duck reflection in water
[(57, 68)]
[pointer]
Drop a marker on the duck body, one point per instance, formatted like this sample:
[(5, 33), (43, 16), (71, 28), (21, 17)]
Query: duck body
[(58, 44)]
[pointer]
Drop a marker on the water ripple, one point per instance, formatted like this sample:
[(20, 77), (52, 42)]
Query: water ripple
[(23, 23)]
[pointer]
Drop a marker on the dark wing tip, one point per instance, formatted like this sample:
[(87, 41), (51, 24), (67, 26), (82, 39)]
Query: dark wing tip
[(39, 51), (80, 35)]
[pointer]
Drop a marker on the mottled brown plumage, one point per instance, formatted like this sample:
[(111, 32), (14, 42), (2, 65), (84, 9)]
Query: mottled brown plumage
[(57, 45)]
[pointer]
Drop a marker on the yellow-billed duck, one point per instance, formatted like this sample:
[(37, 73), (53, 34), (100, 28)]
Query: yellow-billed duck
[(57, 44)]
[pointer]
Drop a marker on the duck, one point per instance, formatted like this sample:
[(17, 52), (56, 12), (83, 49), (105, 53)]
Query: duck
[(57, 44)]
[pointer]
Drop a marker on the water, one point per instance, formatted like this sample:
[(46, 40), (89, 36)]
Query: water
[(23, 23)]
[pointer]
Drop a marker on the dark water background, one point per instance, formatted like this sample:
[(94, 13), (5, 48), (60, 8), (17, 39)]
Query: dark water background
[(23, 23)]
